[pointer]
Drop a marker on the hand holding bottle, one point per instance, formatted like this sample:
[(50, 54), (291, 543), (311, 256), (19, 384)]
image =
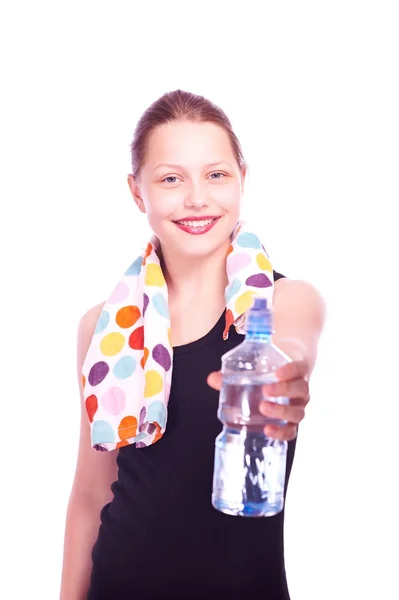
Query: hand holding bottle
[(292, 383)]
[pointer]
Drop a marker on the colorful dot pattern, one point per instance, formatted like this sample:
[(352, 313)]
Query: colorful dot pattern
[(250, 274), (127, 373)]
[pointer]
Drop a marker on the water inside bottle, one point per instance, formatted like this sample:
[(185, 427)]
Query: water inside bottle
[(249, 467)]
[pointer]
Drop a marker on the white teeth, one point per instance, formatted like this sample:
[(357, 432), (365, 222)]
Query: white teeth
[(196, 223)]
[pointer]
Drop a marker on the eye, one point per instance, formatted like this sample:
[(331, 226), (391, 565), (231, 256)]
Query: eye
[(218, 173), (169, 177)]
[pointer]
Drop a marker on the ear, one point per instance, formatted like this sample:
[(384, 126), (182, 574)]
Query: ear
[(243, 175), (136, 192)]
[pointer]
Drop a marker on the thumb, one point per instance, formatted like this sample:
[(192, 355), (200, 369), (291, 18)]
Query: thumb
[(214, 380)]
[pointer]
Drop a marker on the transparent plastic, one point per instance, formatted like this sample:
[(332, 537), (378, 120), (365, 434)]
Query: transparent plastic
[(249, 469)]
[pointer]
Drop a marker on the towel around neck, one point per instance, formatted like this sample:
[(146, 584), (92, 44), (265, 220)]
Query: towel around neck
[(127, 372)]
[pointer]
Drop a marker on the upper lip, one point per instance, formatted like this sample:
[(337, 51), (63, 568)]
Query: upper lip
[(205, 218)]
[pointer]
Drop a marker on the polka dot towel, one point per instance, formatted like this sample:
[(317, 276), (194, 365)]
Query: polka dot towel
[(127, 371)]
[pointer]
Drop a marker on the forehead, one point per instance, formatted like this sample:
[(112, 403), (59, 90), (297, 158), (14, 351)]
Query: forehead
[(185, 141)]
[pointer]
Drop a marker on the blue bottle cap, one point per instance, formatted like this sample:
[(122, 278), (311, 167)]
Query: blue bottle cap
[(259, 317)]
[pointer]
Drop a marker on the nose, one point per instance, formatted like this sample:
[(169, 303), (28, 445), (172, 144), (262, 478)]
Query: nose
[(195, 197)]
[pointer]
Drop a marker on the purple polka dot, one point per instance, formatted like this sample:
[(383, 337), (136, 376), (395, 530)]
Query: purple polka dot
[(145, 303), (151, 428), (140, 445), (161, 355), (143, 413), (260, 280), (99, 448), (98, 373)]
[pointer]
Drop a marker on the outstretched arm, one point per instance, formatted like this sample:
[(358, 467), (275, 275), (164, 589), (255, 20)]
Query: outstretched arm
[(299, 315)]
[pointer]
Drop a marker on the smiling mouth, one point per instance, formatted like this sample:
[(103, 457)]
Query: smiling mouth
[(197, 222)]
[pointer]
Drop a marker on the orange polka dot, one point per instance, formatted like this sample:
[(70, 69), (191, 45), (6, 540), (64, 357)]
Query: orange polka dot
[(144, 359), (229, 323), (158, 434), (127, 428), (170, 336), (136, 339), (91, 406), (127, 316), (122, 443), (83, 382), (230, 250), (147, 253)]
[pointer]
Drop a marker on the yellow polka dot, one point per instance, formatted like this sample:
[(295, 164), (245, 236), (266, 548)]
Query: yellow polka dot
[(112, 344), (153, 384), (244, 302), (154, 275), (170, 336), (263, 262)]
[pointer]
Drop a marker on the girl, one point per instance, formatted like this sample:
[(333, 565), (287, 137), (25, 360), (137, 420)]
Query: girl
[(140, 523)]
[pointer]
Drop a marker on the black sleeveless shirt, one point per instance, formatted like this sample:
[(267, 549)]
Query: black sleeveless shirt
[(160, 537)]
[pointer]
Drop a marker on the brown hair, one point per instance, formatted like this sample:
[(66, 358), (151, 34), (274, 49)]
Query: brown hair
[(174, 106)]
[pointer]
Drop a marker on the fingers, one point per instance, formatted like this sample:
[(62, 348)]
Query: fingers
[(214, 380), (296, 389), (287, 432), (294, 370), (293, 388), (293, 412)]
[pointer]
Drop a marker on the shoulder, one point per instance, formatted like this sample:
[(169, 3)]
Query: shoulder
[(88, 321), (299, 317), (86, 328), (91, 315), (301, 286), (297, 296)]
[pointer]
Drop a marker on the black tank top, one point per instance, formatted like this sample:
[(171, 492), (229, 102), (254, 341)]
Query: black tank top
[(160, 537)]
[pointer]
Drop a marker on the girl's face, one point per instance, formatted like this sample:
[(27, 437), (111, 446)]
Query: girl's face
[(190, 187)]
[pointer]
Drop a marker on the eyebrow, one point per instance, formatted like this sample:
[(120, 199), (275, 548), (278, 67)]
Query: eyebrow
[(170, 166)]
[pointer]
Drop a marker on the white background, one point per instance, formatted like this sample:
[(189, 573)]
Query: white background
[(312, 91)]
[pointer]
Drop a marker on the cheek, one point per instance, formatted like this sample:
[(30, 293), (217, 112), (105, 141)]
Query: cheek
[(160, 205), (228, 197)]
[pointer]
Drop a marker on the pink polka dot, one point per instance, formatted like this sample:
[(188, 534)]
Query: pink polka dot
[(113, 401), (119, 294), (237, 262), (167, 390)]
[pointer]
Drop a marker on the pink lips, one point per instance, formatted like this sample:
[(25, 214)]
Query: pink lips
[(198, 230)]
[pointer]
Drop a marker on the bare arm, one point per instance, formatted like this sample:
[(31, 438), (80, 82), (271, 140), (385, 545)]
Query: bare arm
[(95, 471), (299, 315)]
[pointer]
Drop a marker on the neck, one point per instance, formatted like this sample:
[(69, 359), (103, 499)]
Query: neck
[(196, 280)]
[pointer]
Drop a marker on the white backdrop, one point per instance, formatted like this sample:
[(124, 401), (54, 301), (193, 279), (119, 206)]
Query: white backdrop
[(312, 91)]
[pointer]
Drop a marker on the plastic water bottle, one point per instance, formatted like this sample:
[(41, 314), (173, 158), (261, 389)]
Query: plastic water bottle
[(249, 469)]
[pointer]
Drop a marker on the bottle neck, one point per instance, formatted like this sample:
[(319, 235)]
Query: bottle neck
[(256, 336), (259, 324)]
